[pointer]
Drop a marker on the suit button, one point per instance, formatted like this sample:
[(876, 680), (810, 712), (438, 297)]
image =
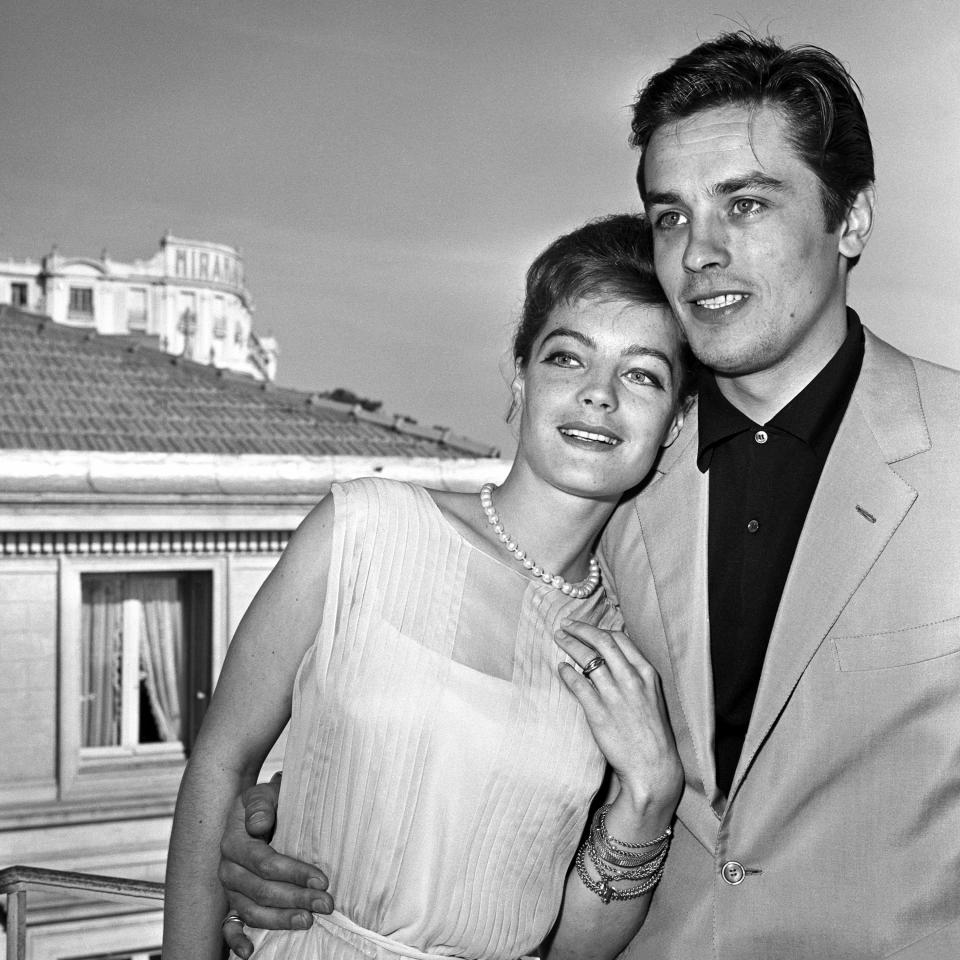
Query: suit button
[(733, 872)]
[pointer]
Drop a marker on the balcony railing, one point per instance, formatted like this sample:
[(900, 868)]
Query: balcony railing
[(17, 882)]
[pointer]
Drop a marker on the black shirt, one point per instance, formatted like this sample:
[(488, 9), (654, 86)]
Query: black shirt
[(762, 479)]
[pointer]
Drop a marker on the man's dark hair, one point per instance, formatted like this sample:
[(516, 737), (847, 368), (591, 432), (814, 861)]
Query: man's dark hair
[(809, 85), (610, 258)]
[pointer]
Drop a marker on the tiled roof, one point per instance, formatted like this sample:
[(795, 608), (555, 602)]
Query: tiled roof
[(67, 389)]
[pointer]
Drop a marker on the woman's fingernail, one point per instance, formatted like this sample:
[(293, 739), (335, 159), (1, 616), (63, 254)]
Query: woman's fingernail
[(303, 921)]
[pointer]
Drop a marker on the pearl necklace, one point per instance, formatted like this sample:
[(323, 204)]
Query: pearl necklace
[(576, 590)]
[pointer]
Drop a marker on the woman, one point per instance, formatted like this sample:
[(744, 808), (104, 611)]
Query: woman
[(437, 761)]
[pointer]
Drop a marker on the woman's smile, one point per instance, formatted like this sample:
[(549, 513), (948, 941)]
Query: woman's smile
[(590, 437)]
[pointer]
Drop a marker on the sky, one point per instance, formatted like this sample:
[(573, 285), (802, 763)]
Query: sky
[(388, 168)]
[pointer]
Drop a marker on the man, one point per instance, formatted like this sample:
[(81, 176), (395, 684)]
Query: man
[(793, 570)]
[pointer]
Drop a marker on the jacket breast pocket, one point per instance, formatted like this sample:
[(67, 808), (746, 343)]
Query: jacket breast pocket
[(898, 648)]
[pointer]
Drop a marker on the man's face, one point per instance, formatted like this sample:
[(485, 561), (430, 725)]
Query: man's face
[(741, 246)]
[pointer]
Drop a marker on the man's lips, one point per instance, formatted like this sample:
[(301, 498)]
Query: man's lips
[(712, 305), (590, 434), (719, 301)]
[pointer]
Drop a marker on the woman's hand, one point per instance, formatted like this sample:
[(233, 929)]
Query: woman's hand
[(623, 703)]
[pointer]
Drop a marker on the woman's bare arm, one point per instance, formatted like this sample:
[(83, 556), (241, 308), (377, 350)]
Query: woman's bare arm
[(249, 709)]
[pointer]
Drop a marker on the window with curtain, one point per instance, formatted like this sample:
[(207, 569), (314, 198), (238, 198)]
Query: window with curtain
[(145, 657)]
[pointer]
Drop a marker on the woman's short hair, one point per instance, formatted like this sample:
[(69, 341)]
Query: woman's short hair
[(610, 258), (809, 85)]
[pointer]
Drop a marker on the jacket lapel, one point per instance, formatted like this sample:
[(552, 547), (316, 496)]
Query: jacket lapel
[(672, 513), (858, 505)]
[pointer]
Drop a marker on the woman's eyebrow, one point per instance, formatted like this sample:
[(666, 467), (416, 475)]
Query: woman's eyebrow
[(573, 334), (638, 350)]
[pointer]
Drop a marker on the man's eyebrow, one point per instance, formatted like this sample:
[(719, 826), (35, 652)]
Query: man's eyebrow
[(749, 181), (662, 198)]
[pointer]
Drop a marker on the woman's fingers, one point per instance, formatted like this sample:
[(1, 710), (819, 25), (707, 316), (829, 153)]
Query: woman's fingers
[(624, 706)]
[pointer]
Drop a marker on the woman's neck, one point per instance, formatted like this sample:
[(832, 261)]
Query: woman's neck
[(557, 530)]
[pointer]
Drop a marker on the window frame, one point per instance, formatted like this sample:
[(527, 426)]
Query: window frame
[(138, 321), (122, 771), (20, 294), (80, 313)]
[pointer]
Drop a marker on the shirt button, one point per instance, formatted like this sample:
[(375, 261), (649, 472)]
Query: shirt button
[(761, 436), (733, 872), (753, 526)]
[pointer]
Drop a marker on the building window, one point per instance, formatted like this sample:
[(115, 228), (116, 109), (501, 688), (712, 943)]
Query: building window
[(136, 309), (18, 294), (81, 303), (219, 318), (145, 657)]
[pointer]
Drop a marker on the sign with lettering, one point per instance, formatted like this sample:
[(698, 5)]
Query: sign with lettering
[(207, 263)]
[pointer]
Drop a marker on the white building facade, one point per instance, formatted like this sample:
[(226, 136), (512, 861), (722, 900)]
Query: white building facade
[(190, 297)]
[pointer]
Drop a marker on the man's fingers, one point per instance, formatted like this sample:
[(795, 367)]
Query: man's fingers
[(275, 868), (260, 809), (268, 918), (276, 881), (235, 938)]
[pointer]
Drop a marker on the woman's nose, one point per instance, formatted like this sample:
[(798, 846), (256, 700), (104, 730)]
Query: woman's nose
[(599, 392)]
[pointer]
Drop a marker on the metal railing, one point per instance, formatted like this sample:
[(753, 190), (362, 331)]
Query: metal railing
[(17, 881)]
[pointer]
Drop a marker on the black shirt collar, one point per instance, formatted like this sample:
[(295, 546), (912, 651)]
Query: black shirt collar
[(812, 416)]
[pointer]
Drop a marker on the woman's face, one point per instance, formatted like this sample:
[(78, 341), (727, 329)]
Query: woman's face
[(598, 397)]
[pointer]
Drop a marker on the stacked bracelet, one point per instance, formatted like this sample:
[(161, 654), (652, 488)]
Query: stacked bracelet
[(618, 860)]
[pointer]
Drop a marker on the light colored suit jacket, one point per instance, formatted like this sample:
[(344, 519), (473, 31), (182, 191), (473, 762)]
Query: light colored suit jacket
[(842, 831)]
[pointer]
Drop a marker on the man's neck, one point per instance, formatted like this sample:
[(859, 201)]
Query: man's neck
[(763, 394)]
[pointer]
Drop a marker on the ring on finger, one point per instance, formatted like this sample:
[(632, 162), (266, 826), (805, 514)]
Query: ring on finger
[(232, 917), (595, 664)]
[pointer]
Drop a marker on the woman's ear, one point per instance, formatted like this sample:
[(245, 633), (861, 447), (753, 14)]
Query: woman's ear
[(516, 389), (675, 427)]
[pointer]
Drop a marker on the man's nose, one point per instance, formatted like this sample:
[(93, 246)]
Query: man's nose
[(706, 246)]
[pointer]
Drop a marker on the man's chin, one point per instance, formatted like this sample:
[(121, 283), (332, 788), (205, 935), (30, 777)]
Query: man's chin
[(727, 361)]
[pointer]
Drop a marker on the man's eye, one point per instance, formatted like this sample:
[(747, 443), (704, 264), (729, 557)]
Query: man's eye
[(747, 206), (672, 218)]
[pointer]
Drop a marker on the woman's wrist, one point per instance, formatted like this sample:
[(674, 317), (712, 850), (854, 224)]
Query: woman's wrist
[(638, 815)]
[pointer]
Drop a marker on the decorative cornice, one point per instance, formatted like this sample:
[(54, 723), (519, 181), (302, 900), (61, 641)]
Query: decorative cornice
[(141, 543)]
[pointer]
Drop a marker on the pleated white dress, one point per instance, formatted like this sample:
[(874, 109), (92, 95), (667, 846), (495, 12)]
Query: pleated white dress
[(436, 765)]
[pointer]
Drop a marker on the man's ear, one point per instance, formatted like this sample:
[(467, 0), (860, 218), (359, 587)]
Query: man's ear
[(858, 223), (675, 428)]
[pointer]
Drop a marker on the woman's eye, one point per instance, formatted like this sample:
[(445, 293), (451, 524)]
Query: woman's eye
[(561, 359), (747, 206), (643, 377)]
